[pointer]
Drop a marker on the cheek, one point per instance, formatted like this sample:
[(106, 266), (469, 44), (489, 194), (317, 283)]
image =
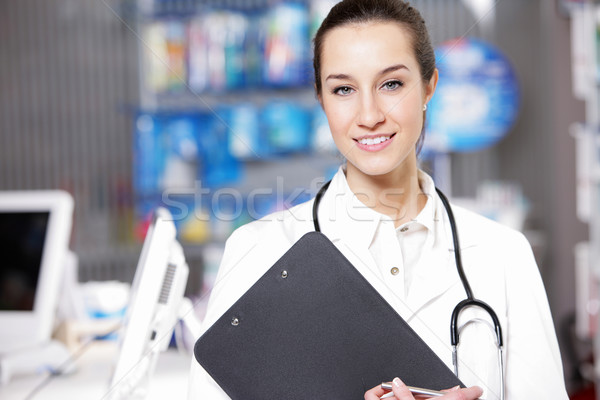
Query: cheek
[(408, 111), (339, 118)]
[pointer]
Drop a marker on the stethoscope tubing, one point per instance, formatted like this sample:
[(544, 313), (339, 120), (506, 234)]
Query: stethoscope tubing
[(470, 301)]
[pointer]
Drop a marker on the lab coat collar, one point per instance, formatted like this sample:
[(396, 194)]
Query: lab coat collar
[(341, 209), (427, 216)]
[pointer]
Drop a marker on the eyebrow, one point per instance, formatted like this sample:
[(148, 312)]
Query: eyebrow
[(387, 70), (337, 76), (393, 68)]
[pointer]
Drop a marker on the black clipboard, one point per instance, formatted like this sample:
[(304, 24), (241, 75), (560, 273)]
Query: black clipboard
[(312, 327)]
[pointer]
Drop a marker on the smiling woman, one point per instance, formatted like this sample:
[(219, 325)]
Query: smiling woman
[(373, 95), (374, 75)]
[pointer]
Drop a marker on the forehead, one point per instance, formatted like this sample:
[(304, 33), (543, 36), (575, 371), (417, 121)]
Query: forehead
[(367, 45)]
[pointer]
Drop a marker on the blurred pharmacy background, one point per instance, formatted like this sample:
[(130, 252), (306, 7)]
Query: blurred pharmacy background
[(207, 107)]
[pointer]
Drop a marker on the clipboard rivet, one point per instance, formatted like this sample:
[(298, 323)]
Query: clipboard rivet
[(284, 274), (235, 322)]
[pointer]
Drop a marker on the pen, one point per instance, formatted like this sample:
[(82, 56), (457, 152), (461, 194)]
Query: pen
[(413, 390)]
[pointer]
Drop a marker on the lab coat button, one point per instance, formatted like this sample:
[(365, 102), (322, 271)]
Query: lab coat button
[(394, 271), (404, 229)]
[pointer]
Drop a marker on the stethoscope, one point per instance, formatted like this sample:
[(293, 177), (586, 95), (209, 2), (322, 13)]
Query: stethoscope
[(470, 301)]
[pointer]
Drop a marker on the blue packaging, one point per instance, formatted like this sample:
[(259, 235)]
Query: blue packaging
[(166, 158), (235, 58), (217, 53), (226, 51), (181, 153), (149, 154), (246, 138), (166, 153), (287, 127), (174, 155), (219, 166), (253, 50), (198, 47), (286, 51)]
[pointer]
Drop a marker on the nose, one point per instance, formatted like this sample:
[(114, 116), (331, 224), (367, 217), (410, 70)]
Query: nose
[(370, 114)]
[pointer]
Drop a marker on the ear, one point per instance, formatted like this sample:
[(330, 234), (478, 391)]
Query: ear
[(431, 85)]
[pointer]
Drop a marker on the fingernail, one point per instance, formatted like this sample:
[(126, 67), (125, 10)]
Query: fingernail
[(456, 387), (397, 382)]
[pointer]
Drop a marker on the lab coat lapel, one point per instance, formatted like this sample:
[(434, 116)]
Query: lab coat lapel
[(353, 241), (355, 244), (361, 258), (350, 225), (436, 272), (435, 275)]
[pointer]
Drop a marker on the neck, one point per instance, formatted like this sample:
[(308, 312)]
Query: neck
[(396, 194)]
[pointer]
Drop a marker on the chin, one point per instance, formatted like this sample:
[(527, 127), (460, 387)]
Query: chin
[(374, 169)]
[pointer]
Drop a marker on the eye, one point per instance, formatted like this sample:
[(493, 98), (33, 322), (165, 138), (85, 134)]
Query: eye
[(392, 85), (343, 90)]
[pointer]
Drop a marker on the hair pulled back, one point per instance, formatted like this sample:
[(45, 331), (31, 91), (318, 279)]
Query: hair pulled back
[(363, 11), (349, 12)]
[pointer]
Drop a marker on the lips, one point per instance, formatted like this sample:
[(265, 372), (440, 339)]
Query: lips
[(374, 142)]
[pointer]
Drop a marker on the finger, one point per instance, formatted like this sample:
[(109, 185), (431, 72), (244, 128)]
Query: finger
[(470, 393), (375, 393), (400, 390), (457, 387)]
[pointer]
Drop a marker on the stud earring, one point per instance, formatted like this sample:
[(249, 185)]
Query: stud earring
[(424, 107)]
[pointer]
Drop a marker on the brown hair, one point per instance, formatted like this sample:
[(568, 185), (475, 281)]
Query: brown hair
[(362, 11)]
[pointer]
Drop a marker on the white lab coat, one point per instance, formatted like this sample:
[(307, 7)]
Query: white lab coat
[(498, 262)]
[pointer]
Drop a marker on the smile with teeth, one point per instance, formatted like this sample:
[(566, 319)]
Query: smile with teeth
[(375, 140)]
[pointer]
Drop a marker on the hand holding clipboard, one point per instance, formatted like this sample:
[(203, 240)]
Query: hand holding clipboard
[(409, 392)]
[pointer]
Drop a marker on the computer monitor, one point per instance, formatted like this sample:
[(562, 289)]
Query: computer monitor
[(35, 228), (157, 294)]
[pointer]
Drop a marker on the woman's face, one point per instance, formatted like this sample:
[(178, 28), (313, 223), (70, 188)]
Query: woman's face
[(373, 95)]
